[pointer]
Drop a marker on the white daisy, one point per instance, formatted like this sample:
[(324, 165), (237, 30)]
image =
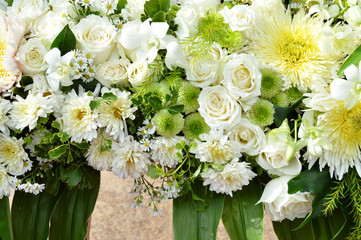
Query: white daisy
[(113, 116), (79, 121), (13, 157), (130, 159), (97, 156), (5, 107), (26, 112), (216, 148), (31, 188), (233, 177), (164, 150)]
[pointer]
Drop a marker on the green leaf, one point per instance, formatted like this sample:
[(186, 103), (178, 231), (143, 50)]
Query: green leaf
[(56, 125), (26, 80), (151, 7), (120, 5), (6, 232), (281, 113), (82, 145), (159, 17), (30, 215), (72, 175), (109, 96), (164, 5), (354, 59), (65, 41), (71, 213), (94, 104), (58, 151), (188, 223), (156, 103), (175, 109), (197, 172), (242, 218), (152, 172), (313, 181)]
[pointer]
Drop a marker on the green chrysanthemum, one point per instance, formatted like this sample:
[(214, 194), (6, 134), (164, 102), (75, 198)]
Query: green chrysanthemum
[(262, 113), (272, 83), (280, 100), (188, 95), (166, 124), (159, 89), (293, 95), (194, 125)]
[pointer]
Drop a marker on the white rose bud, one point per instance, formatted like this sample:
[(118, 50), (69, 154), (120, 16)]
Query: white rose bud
[(250, 136), (240, 17), (218, 109), (242, 77), (31, 57), (29, 10), (95, 35), (280, 205), (113, 72), (48, 26), (138, 72)]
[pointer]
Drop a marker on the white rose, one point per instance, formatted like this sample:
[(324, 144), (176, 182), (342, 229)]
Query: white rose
[(240, 17), (48, 26), (218, 109), (95, 35), (204, 73), (279, 156), (29, 10), (31, 57), (242, 77), (202, 5), (280, 205), (138, 72), (250, 136), (187, 21), (113, 72)]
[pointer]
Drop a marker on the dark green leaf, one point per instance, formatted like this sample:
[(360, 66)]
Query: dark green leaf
[(72, 175), (71, 213), (56, 125), (6, 232), (26, 80), (30, 215), (82, 145), (354, 59), (156, 103), (120, 5), (151, 7), (65, 41), (175, 109), (242, 218), (20, 91), (94, 104), (109, 96), (152, 172), (281, 113), (164, 5), (188, 223), (58, 151), (313, 181), (10, 2), (90, 178), (159, 17)]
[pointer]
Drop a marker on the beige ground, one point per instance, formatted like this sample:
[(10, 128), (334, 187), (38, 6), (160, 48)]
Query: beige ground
[(114, 219)]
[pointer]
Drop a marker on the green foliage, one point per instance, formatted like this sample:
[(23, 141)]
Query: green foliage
[(120, 5), (354, 59), (6, 232), (281, 113), (65, 41), (156, 10)]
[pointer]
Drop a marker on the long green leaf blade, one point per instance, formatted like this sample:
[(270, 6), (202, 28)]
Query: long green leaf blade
[(188, 223), (73, 210), (354, 58), (30, 215), (5, 220), (242, 218)]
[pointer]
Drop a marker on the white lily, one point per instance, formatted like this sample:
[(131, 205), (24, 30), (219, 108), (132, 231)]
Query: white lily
[(147, 40), (348, 90), (59, 70)]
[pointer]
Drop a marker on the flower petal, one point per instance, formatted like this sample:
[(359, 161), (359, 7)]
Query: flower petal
[(340, 88), (159, 29), (352, 74)]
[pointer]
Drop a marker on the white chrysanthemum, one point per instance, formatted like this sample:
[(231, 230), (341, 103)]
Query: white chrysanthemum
[(164, 150), (12, 155), (97, 156), (113, 116), (342, 129), (216, 148), (5, 183), (233, 177), (79, 121), (26, 112), (130, 160), (291, 44), (5, 107)]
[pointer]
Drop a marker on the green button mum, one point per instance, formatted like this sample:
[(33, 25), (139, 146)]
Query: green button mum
[(166, 124)]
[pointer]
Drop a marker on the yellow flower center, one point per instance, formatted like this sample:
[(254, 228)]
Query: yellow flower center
[(3, 73)]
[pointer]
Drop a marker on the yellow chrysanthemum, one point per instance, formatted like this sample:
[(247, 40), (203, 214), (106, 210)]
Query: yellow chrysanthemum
[(343, 129), (291, 44)]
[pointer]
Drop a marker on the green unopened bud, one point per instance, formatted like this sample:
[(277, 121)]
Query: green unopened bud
[(271, 83), (194, 125), (262, 113), (188, 95), (166, 124)]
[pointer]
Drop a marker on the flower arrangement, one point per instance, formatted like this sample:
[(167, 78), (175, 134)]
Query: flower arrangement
[(226, 107)]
